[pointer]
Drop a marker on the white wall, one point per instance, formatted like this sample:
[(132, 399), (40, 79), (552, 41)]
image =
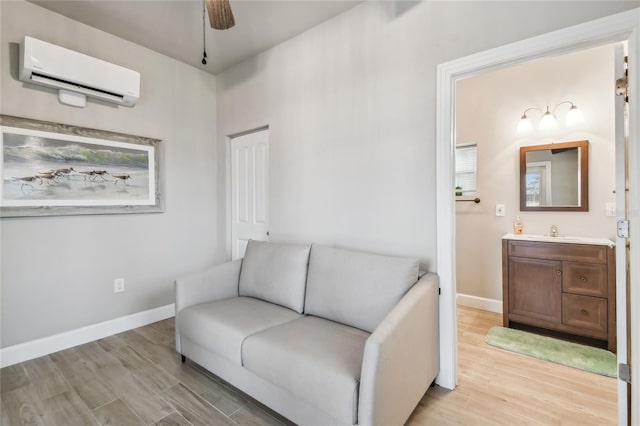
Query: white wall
[(58, 272), (351, 110), (488, 108)]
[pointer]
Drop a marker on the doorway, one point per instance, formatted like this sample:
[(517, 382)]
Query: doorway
[(620, 27), (488, 109)]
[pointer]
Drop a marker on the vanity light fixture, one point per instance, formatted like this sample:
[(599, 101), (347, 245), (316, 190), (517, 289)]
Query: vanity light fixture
[(548, 120)]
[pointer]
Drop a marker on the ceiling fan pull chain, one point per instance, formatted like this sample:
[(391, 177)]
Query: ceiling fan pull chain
[(204, 44)]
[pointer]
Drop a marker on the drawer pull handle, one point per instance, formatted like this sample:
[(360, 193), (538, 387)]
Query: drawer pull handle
[(558, 272), (583, 279), (584, 312)]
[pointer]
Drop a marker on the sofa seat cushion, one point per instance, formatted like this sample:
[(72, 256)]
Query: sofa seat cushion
[(223, 325), (276, 273), (354, 288), (315, 359)]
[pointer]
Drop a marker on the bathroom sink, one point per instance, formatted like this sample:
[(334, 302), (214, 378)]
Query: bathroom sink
[(549, 238), (566, 240)]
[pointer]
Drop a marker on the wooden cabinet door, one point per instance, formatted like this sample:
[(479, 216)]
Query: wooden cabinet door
[(535, 288)]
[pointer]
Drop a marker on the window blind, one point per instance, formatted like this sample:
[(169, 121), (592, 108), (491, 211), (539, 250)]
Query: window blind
[(466, 168)]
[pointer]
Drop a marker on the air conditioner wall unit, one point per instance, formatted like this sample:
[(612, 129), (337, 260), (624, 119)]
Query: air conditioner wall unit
[(77, 75)]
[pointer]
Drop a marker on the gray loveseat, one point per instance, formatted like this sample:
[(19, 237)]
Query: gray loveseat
[(324, 336)]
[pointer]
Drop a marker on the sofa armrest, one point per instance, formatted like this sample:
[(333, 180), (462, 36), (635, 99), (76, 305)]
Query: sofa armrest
[(218, 282), (401, 357)]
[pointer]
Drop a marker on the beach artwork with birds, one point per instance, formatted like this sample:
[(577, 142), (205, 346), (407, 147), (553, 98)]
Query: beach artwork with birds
[(49, 169)]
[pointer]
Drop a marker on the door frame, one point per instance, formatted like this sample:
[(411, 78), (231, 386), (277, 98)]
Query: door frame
[(620, 27)]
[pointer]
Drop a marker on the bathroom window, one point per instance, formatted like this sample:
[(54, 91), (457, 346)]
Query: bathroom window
[(466, 168)]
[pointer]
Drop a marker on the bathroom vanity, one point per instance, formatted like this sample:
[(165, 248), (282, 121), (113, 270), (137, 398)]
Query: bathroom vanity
[(560, 284)]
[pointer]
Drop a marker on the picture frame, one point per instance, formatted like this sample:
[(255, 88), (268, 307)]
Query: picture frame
[(53, 169)]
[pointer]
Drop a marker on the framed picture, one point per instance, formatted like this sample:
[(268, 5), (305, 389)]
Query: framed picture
[(56, 169)]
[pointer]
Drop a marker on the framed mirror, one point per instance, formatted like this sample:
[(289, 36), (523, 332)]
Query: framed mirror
[(555, 177)]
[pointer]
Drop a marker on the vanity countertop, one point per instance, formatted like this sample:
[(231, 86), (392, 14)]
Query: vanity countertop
[(566, 240)]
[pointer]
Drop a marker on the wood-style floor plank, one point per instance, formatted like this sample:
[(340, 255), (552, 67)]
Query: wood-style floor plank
[(250, 415), (116, 413), (111, 343), (130, 358), (146, 371), (156, 336), (194, 408), (166, 327), (136, 377), (150, 350), (67, 409), (21, 408), (13, 377), (173, 419), (4, 417), (145, 403), (47, 400), (49, 386), (206, 386), (93, 390), (39, 368)]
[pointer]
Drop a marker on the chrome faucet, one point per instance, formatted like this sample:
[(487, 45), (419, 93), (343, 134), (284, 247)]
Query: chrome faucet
[(554, 231)]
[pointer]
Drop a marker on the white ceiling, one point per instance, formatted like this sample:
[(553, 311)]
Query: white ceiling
[(174, 27)]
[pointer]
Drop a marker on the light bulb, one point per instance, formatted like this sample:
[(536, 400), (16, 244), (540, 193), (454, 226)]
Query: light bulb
[(524, 125), (574, 116), (548, 121)]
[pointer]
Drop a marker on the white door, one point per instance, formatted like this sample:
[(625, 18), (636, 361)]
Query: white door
[(622, 264), (249, 190)]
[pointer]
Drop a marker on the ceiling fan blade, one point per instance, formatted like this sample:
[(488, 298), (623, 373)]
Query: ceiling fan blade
[(220, 15)]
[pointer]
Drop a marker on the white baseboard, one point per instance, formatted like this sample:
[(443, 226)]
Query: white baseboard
[(47, 345), (483, 303)]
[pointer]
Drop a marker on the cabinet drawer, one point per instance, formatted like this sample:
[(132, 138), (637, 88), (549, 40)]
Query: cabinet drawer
[(559, 251), (589, 279), (586, 312)]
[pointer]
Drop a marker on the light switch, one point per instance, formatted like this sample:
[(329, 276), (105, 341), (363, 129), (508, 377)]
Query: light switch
[(610, 209), (499, 209)]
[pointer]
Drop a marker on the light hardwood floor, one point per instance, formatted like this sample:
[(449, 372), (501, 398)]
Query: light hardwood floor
[(136, 378), (500, 387)]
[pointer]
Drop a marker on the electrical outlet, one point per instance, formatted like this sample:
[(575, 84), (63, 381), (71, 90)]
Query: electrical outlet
[(500, 209), (118, 285), (610, 209)]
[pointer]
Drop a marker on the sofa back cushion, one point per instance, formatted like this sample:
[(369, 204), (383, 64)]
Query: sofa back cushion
[(354, 288), (276, 273)]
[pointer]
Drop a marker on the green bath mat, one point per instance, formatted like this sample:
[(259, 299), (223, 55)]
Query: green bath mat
[(570, 354)]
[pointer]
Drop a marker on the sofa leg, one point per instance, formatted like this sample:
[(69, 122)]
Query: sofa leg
[(183, 358)]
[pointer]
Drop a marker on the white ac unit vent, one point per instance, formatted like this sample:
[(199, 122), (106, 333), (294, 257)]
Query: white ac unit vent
[(77, 75)]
